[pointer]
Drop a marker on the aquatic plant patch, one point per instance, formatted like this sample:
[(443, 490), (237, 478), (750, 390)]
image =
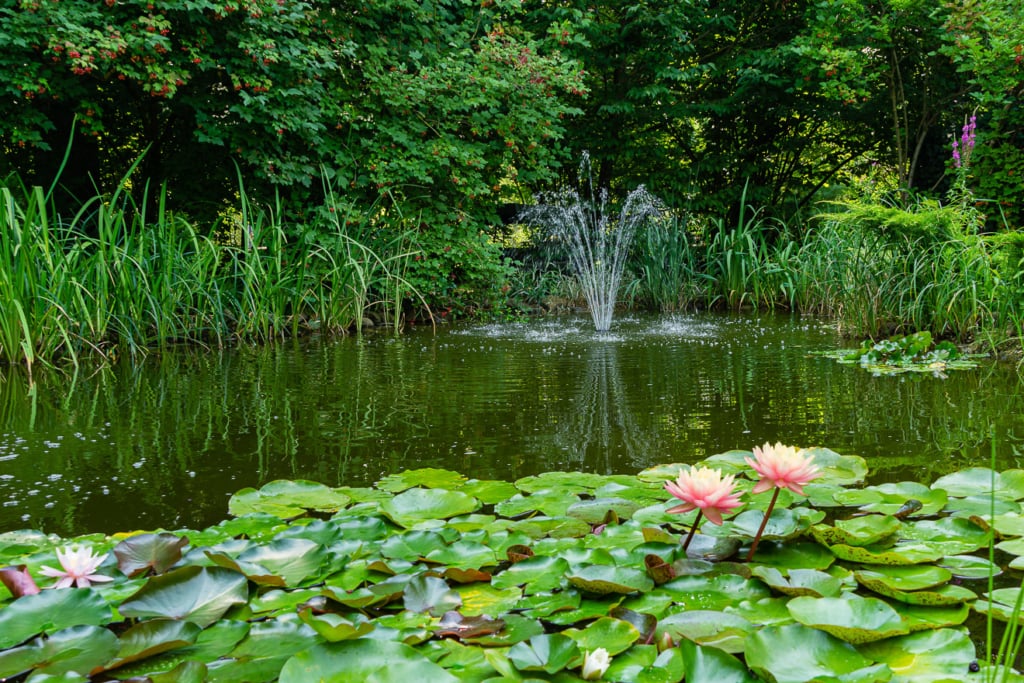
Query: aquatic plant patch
[(912, 353), (560, 577)]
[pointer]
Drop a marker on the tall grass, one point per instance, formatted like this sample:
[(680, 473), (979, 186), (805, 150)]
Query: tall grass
[(120, 279)]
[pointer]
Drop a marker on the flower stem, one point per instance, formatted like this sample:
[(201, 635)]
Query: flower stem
[(764, 522), (696, 523)]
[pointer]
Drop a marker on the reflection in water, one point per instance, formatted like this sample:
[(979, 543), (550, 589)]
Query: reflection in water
[(165, 443), (602, 416)]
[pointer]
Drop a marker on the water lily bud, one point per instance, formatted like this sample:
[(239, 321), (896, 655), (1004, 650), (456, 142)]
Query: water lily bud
[(595, 664), (666, 642)]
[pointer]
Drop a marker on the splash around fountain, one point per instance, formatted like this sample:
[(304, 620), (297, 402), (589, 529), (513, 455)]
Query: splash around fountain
[(596, 242)]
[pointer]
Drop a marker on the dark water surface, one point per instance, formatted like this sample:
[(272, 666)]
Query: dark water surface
[(164, 444)]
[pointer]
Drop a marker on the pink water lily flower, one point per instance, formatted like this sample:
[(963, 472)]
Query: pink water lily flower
[(78, 566), (782, 467), (704, 489)]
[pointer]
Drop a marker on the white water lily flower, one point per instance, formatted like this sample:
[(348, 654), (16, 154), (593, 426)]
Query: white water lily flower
[(595, 664), (78, 567)]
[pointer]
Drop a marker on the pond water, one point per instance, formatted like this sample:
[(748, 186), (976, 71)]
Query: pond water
[(165, 443)]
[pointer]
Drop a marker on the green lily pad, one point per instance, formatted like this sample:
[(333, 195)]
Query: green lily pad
[(762, 611), (287, 499), (980, 481), (595, 510), (905, 578), (614, 635), (891, 498), (928, 618), (845, 470), (605, 579), (853, 619), (430, 594), (550, 652), (713, 628), (413, 506), (784, 524), (794, 555), (198, 594), (770, 653), (927, 657), (798, 582), (51, 611), (535, 574), (908, 553), (858, 531), (364, 659), (74, 649), (954, 535), (1004, 604), (426, 477), (714, 593), (489, 491), (970, 566), (981, 506), (484, 599), (567, 482)]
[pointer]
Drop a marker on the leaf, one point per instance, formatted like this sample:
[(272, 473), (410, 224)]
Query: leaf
[(548, 652), (366, 660), (430, 594), (51, 611), (853, 619), (941, 655), (605, 579), (145, 552), (455, 625), (417, 505), (198, 594), (427, 477), (770, 654), (153, 637), (78, 649)]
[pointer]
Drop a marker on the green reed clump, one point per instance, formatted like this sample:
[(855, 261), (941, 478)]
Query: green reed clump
[(120, 278)]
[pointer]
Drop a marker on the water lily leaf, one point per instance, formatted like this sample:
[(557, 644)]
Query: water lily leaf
[(845, 470), (717, 592), (417, 505), (906, 578), (427, 477), (1004, 604), (770, 654), (798, 582), (713, 548), (725, 631), (858, 531), (292, 559), (149, 638), (455, 625), (430, 594), (954, 535), (552, 527), (550, 502), (614, 635), (980, 481), (275, 638), (941, 595), (464, 554), (605, 579), (784, 523), (853, 619), (545, 604), (78, 649), (364, 659), (926, 657), (909, 553), (712, 665), (594, 511), (644, 623), (567, 482), (659, 474), (535, 574), (149, 552), (198, 594), (981, 505), (927, 617), (336, 627), (823, 494), (51, 611), (794, 555), (643, 664), (729, 462), (549, 652), (762, 611), (485, 599), (892, 498), (489, 491), (287, 498), (970, 566)]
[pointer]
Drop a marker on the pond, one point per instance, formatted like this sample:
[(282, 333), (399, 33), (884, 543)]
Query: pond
[(164, 443)]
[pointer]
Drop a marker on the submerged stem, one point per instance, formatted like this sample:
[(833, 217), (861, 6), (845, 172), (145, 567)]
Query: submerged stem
[(696, 523), (764, 522)]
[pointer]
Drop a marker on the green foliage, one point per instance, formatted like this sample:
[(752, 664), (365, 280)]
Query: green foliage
[(912, 353), (424, 579)]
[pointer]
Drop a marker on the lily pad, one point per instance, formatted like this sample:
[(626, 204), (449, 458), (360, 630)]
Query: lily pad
[(548, 652), (858, 531), (892, 498), (770, 653), (926, 657), (797, 582), (364, 659), (908, 553), (287, 499), (427, 477), (413, 506), (853, 619), (605, 579), (980, 481), (198, 594), (714, 628), (51, 611), (614, 635)]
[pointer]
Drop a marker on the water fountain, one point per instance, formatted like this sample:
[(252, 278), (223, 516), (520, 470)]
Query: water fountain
[(597, 243)]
